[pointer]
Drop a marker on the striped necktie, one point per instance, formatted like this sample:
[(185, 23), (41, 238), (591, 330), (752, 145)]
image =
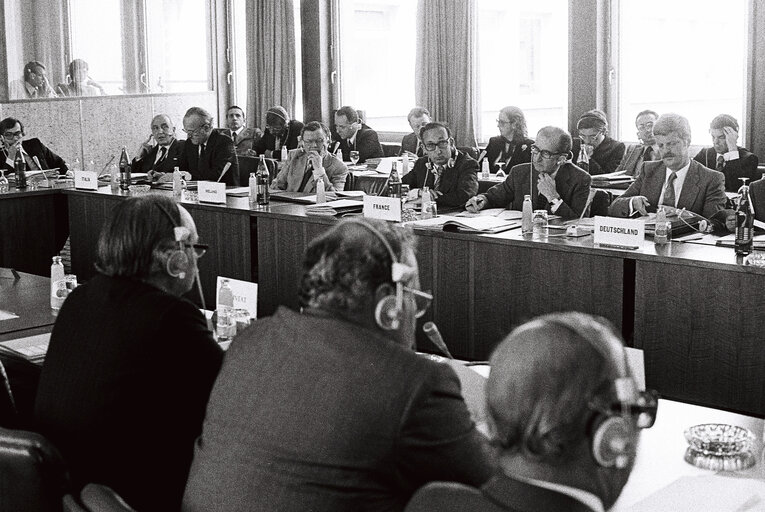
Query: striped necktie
[(669, 190)]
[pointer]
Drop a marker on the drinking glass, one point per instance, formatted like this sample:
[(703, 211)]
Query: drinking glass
[(4, 186), (225, 323), (539, 223), (354, 157)]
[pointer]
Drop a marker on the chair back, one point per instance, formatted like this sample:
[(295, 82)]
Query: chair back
[(8, 415), (33, 476), (100, 498), (471, 151), (600, 203), (249, 164)]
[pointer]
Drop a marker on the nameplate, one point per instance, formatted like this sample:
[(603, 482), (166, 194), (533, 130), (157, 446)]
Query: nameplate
[(245, 295), (86, 180), (621, 233), (211, 192), (385, 208)]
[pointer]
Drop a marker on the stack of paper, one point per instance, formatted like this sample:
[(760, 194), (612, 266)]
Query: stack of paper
[(32, 348)]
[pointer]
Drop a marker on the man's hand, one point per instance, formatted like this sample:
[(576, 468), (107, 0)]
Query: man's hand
[(588, 149), (13, 149), (731, 137), (476, 203), (145, 147), (640, 204), (730, 221), (317, 167), (546, 186)]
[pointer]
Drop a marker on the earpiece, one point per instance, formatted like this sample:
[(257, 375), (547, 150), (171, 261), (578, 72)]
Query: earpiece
[(455, 153), (178, 261)]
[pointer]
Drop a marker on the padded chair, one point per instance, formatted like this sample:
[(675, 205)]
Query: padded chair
[(249, 164), (390, 148), (600, 203), (100, 498), (8, 416)]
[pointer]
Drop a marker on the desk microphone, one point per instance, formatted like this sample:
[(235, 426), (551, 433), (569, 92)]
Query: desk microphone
[(431, 331)]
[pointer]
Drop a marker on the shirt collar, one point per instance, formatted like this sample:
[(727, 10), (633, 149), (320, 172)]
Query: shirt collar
[(239, 131), (30, 88), (680, 172), (587, 498)]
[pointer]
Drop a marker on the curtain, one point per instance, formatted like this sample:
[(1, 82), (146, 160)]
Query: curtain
[(271, 58), (446, 82)]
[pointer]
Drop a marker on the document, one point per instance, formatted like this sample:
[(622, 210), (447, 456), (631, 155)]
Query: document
[(713, 492)]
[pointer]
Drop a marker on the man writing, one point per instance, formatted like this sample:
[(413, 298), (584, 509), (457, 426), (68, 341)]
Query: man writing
[(675, 180), (355, 136), (311, 163), (450, 174), (243, 136), (159, 160), (554, 183), (330, 409), (207, 154), (646, 151), (726, 156), (565, 414)]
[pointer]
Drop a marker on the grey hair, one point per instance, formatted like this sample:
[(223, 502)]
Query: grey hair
[(668, 123)]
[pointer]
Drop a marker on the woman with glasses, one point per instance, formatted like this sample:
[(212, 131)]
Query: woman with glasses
[(131, 362), (36, 154), (602, 154), (512, 146)]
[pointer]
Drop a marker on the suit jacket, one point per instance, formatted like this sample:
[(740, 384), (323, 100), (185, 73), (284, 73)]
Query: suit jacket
[(495, 150), (245, 140), (744, 167), (571, 182), (47, 158), (634, 156), (703, 191), (218, 151), (458, 183), (311, 412), (367, 144), (268, 140), (605, 158), (123, 395), (757, 194), (410, 143), (146, 161), (291, 175), (500, 494)]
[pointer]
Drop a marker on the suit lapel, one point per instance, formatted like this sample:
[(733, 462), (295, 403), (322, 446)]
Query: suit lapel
[(655, 184), (690, 187)]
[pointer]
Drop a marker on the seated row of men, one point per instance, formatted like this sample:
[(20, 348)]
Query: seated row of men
[(329, 408)]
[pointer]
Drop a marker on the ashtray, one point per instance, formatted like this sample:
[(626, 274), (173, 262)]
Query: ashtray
[(720, 447), (139, 189)]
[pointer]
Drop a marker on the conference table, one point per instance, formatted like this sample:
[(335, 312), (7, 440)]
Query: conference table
[(693, 309)]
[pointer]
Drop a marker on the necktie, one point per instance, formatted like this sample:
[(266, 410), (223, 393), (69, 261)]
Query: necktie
[(201, 151), (419, 151), (306, 177), (31, 165), (162, 155), (669, 190), (439, 169), (233, 137), (720, 163), (648, 154)]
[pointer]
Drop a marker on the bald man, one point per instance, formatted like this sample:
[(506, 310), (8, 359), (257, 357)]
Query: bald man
[(160, 158)]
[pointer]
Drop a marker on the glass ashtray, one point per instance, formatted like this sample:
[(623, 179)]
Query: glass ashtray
[(719, 439), (756, 259), (737, 462)]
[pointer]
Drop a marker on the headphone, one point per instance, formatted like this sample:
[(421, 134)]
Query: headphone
[(178, 262), (449, 163), (389, 309)]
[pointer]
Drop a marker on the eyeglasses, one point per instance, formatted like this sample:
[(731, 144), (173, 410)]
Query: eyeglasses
[(422, 301), (199, 249), (547, 155), (314, 142), (501, 122), (643, 410), (441, 144), (13, 135), (195, 131), (645, 126)]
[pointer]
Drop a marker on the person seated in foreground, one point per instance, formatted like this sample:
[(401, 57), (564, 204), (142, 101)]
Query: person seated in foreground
[(36, 154), (330, 409), (160, 159), (565, 415), (355, 136), (726, 156), (603, 153), (554, 183), (243, 136), (675, 180), (131, 363), (512, 146), (411, 143), (280, 131), (207, 153), (450, 174), (311, 163), (646, 151)]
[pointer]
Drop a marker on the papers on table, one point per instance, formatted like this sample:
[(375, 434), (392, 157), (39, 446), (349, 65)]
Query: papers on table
[(730, 241), (332, 208), (499, 213), (467, 224), (32, 348), (612, 177), (238, 191), (7, 315), (713, 492)]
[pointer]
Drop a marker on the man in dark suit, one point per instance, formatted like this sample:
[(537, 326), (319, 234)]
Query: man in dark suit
[(725, 156), (512, 146), (554, 183), (330, 409), (355, 136), (567, 445), (159, 160), (207, 153), (36, 155), (676, 180), (417, 118), (594, 151), (243, 136), (451, 175), (646, 151), (280, 131)]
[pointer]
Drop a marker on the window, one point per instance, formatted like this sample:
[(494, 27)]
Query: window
[(522, 61), (683, 57), (377, 59), (96, 28)]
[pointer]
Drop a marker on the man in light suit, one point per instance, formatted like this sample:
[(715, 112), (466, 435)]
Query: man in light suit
[(417, 118), (676, 180), (159, 160), (243, 136), (565, 413), (554, 183), (646, 151), (726, 156), (330, 409)]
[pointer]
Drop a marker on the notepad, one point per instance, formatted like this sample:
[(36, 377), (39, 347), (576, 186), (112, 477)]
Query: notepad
[(31, 348)]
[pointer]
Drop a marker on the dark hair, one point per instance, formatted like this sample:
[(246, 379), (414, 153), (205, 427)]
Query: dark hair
[(30, 68), (593, 119), (417, 112), (313, 126), (563, 143), (233, 107), (10, 122), (434, 125), (515, 115), (723, 120), (349, 112), (343, 267), (645, 113), (77, 63), (137, 229)]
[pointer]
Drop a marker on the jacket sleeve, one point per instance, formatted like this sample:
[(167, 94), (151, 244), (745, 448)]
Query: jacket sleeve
[(714, 196), (368, 145), (578, 199), (620, 207), (56, 161), (337, 173), (741, 168), (466, 187), (502, 194), (610, 159)]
